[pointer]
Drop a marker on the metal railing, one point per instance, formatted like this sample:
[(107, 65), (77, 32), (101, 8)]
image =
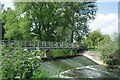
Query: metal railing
[(39, 44)]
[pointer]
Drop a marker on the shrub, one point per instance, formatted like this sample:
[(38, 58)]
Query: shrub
[(110, 52), (40, 74), (57, 53), (18, 63)]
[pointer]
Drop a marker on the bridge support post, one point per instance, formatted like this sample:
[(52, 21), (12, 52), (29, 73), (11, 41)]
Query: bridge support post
[(49, 55), (74, 52)]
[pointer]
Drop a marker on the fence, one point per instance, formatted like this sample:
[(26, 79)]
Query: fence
[(40, 44)]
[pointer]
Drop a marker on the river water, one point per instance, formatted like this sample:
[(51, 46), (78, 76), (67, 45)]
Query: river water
[(78, 67)]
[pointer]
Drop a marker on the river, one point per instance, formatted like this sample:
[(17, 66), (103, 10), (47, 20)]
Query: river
[(78, 67)]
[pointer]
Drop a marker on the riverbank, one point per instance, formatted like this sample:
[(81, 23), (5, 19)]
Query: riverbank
[(94, 56)]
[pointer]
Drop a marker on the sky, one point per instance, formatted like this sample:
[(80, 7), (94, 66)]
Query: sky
[(106, 19)]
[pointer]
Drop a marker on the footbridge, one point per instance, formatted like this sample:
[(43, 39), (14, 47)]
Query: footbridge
[(41, 45)]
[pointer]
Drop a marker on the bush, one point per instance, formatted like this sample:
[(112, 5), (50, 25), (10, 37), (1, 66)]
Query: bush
[(110, 52), (39, 74), (57, 53), (18, 63), (112, 59)]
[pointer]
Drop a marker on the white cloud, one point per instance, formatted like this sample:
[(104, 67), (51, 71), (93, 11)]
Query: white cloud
[(3, 1), (107, 0), (106, 23), (8, 3)]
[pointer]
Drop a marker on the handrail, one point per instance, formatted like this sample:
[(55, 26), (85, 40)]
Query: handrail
[(40, 44)]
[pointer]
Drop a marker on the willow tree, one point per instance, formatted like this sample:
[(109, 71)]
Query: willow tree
[(48, 21)]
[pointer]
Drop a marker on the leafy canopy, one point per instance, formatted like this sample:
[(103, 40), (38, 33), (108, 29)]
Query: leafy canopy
[(47, 21)]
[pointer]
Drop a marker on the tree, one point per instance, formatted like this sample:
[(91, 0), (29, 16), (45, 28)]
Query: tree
[(95, 38), (49, 21), (92, 39), (110, 51), (15, 27), (1, 28)]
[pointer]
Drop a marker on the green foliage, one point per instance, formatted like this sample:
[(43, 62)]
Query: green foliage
[(58, 53), (48, 21), (0, 66), (16, 28), (112, 59), (103, 43), (17, 62), (93, 39), (40, 74), (39, 53), (110, 51)]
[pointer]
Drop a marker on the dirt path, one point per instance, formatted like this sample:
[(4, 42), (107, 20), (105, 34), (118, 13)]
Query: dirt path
[(95, 56)]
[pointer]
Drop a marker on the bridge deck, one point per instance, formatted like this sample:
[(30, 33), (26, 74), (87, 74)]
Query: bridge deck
[(41, 44)]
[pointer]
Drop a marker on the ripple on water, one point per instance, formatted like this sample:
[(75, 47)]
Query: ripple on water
[(93, 71)]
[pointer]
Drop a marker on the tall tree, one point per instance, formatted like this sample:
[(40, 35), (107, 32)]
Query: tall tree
[(95, 38), (1, 22), (49, 21)]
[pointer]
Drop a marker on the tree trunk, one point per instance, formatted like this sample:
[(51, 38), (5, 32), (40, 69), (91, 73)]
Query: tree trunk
[(72, 37), (0, 29)]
